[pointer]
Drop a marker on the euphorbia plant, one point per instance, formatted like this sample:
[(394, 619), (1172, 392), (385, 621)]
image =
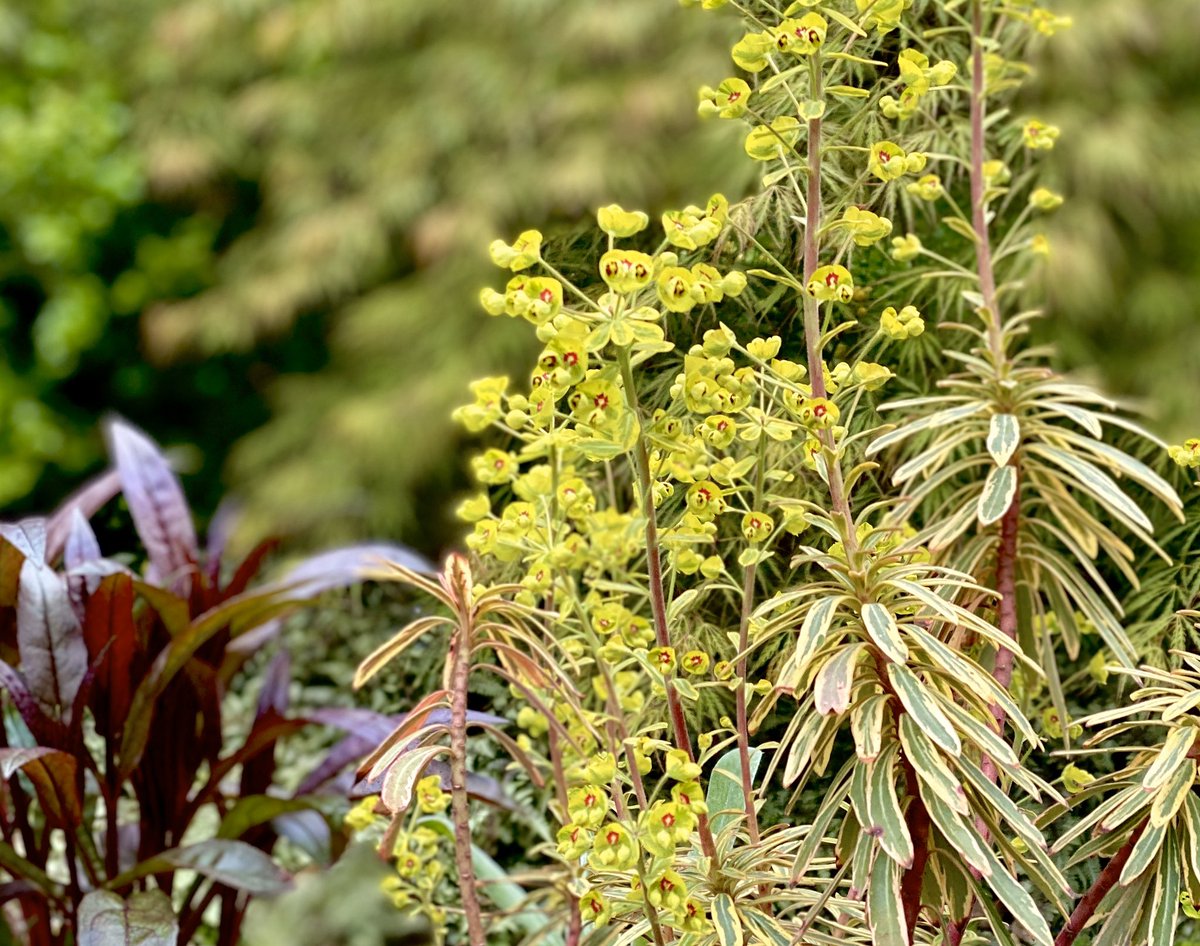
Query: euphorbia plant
[(701, 559), (127, 813)]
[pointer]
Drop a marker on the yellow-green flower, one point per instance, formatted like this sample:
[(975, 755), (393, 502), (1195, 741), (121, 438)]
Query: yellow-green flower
[(719, 430), (430, 796), (818, 413), (865, 227), (680, 767), (727, 100), (1098, 667), (928, 187), (764, 348), (1039, 136), (831, 283), (757, 526), (870, 375), (693, 919), (1076, 779), (594, 908), (1187, 454), (751, 51), (362, 815), (906, 248), (573, 840), (801, 37), (705, 500), (766, 142), (887, 161), (692, 228), (1048, 23), (613, 848), (520, 254), (883, 15), (626, 270), (689, 796), (602, 768), (1045, 199), (618, 222), (907, 323), (495, 467), (664, 827), (663, 658), (587, 806), (667, 891), (695, 662), (674, 286)]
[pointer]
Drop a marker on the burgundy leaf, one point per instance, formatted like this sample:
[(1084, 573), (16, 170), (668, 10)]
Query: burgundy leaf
[(145, 919), (46, 731), (88, 500), (112, 642), (309, 831), (274, 694), (53, 775), (220, 528), (54, 657), (156, 502)]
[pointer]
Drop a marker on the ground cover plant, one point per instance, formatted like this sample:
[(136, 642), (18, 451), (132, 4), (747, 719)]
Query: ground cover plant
[(801, 636)]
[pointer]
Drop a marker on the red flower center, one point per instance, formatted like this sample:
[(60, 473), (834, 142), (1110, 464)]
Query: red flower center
[(668, 820), (545, 295), (612, 837)]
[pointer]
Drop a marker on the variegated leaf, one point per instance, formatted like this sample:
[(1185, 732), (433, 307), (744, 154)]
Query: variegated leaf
[(1004, 434)]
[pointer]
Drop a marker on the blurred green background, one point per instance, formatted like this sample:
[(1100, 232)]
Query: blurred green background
[(257, 228)]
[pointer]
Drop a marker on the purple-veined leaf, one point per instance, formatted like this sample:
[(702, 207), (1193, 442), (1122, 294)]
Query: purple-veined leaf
[(47, 731), (145, 919), (52, 772), (54, 657), (156, 502), (223, 860), (88, 499), (81, 548)]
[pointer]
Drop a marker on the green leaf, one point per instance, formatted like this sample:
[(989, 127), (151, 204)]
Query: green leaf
[(1164, 909), (1144, 852), (812, 635), (1169, 798), (727, 921), (883, 804), (145, 919), (881, 625), (885, 909), (1017, 899), (961, 227), (724, 796), (962, 836), (931, 770), (866, 725), (946, 418), (922, 706), (1097, 483), (1004, 434), (1174, 750), (998, 492), (253, 810)]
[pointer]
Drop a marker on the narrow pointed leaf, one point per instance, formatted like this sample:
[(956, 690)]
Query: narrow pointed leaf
[(885, 909), (835, 681), (923, 708), (1174, 750), (930, 768), (999, 490), (881, 626), (1004, 434), (54, 657), (887, 817)]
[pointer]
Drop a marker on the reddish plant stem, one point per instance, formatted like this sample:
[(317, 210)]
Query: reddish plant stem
[(917, 820), (1104, 883), (657, 589), (460, 672)]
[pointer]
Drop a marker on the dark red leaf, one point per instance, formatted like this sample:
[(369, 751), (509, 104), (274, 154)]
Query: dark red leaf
[(156, 502), (112, 642), (53, 775), (81, 549), (47, 731), (54, 657)]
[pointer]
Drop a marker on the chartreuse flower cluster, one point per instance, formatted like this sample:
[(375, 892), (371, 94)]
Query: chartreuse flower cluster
[(418, 884), (677, 507)]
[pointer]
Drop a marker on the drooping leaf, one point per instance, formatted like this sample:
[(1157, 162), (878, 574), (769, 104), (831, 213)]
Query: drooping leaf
[(145, 919), (930, 768), (156, 502), (54, 657), (883, 804), (52, 772), (866, 724), (885, 909), (834, 680), (1174, 751), (401, 778), (726, 920)]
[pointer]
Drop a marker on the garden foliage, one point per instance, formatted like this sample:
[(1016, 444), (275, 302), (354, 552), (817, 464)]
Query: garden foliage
[(800, 633)]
